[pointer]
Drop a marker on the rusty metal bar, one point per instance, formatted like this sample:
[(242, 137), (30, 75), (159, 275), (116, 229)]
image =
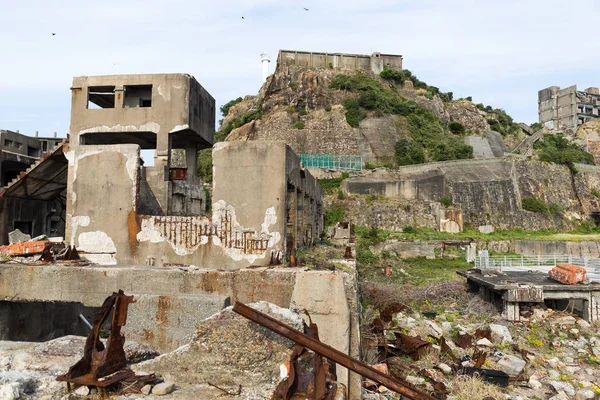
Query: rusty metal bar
[(330, 353)]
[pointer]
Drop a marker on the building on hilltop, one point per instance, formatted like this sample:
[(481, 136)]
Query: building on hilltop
[(375, 63), (566, 109)]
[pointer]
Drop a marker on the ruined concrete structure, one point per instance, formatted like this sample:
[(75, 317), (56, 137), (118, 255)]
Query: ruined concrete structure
[(488, 192), (566, 109), (375, 63), (34, 204), (169, 113), (116, 210)]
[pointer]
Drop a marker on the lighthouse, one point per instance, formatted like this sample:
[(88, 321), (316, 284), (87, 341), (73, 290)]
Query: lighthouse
[(264, 58)]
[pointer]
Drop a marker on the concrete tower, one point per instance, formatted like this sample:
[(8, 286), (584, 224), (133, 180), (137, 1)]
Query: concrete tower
[(264, 58)]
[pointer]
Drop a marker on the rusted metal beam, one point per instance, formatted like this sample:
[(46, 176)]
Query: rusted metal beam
[(329, 352)]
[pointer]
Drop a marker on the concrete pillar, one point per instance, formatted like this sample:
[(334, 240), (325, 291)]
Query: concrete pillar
[(591, 311), (292, 214), (511, 311)]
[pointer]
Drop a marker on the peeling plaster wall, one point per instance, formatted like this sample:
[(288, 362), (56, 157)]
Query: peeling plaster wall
[(251, 209), (103, 189)]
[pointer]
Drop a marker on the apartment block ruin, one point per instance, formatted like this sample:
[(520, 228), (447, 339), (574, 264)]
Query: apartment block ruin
[(566, 109), (375, 63)]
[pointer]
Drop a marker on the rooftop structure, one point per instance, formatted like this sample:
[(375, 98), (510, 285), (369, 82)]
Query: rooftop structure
[(375, 62), (566, 109)]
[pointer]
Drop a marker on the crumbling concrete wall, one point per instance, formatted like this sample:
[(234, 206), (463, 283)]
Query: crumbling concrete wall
[(265, 205), (374, 63), (172, 300)]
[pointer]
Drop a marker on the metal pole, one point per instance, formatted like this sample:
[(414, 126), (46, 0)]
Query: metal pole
[(330, 353)]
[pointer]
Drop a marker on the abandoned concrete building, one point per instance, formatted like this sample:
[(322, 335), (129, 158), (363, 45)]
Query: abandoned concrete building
[(375, 63), (566, 109), (116, 210)]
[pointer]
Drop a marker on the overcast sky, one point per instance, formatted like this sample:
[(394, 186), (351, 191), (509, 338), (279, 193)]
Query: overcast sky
[(499, 52)]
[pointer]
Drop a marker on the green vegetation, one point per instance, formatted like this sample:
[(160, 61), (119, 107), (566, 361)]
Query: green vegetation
[(536, 126), (557, 149), (250, 115), (500, 121), (409, 152), (456, 128), (446, 201), (205, 165), (331, 185), (333, 215), (406, 75), (225, 107), (534, 204), (298, 125), (596, 193), (587, 231), (302, 110), (428, 141)]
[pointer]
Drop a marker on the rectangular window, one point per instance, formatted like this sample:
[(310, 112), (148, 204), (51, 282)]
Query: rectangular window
[(137, 96), (101, 97), (8, 143), (33, 152)]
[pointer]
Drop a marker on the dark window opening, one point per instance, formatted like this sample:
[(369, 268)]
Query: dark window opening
[(8, 143), (101, 97), (33, 152), (44, 146), (137, 96), (24, 226)]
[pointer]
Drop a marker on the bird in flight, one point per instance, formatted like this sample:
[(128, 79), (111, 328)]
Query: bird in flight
[(53, 33), (243, 18), (305, 9)]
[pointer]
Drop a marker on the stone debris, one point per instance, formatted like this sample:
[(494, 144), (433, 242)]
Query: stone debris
[(500, 334), (146, 389), (82, 391), (10, 391), (17, 236), (163, 388)]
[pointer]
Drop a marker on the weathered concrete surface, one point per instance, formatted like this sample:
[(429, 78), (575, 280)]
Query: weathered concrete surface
[(331, 297), (167, 322), (409, 248), (490, 192), (229, 350)]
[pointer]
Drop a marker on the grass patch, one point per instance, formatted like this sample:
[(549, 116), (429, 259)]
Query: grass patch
[(298, 125), (534, 204)]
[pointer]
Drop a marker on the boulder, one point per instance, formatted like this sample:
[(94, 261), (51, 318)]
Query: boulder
[(565, 387)]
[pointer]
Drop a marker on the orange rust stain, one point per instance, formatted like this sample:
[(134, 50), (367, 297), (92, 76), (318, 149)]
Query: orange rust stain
[(162, 320), (133, 228), (148, 335)]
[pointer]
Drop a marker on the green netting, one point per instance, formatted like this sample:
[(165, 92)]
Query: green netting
[(332, 161)]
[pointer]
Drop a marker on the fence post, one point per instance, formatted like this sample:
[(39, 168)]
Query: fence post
[(522, 263), (555, 260), (539, 260)]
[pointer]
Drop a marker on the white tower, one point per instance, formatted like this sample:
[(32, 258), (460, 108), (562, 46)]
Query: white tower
[(264, 58)]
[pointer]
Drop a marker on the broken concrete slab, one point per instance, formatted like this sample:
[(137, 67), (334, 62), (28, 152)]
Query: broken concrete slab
[(17, 236), (511, 365), (500, 333), (229, 350)]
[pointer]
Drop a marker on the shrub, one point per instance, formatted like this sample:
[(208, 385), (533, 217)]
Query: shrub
[(554, 208), (446, 201), (293, 86), (250, 115), (298, 125), (330, 184), (354, 114), (392, 75), (225, 107), (205, 165), (340, 194), (457, 128), (302, 110), (409, 152), (536, 126), (596, 193), (333, 215), (534, 204), (409, 229), (557, 149)]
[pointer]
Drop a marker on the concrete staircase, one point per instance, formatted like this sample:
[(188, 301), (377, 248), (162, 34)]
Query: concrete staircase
[(526, 145), (44, 156)]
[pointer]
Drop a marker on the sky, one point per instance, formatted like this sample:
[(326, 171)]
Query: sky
[(499, 52)]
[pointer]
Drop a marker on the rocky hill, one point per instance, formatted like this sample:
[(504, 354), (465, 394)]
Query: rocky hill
[(333, 111)]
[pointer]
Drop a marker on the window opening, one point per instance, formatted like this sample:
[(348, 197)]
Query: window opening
[(101, 97), (137, 96)]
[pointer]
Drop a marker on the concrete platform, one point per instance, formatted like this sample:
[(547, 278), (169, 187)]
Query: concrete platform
[(515, 288), (172, 300)]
